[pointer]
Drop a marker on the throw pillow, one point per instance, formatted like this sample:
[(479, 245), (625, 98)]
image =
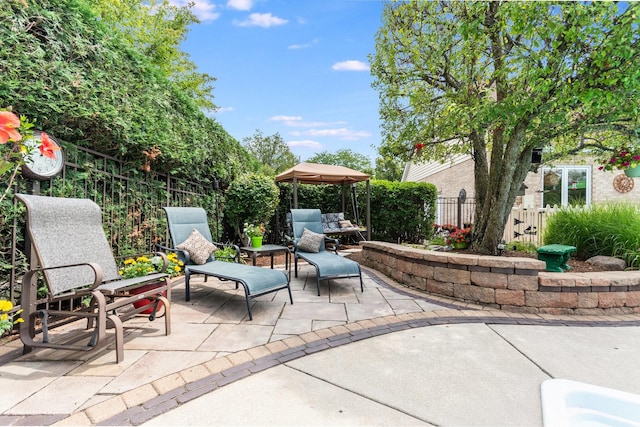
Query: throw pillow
[(345, 224), (198, 247), (310, 241)]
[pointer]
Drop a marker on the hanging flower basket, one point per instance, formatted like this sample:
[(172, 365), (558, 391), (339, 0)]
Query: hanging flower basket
[(622, 160), (633, 172)]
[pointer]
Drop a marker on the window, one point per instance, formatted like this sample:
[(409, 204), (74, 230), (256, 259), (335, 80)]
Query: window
[(566, 186)]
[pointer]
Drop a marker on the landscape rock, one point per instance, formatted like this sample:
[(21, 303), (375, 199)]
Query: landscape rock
[(607, 263)]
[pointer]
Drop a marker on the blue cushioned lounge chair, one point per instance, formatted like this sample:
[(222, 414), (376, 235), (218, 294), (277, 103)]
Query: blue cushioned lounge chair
[(256, 281), (328, 265)]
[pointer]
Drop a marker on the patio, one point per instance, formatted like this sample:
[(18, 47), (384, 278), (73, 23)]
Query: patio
[(213, 344)]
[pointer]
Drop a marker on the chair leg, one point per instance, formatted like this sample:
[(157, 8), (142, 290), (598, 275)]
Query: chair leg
[(290, 297), (248, 307), (167, 315), (117, 324), (187, 291)]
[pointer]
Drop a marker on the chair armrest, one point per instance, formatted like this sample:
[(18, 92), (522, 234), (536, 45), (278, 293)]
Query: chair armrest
[(185, 254), (98, 275), (336, 243), (230, 245)]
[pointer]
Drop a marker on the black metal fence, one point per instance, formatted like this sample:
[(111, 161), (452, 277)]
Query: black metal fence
[(131, 202), (457, 211)]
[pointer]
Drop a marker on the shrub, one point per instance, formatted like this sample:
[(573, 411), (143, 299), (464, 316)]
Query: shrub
[(251, 199)]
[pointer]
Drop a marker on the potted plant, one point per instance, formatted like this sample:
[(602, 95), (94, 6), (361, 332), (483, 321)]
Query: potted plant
[(624, 160), (459, 238), (143, 265), (255, 233)]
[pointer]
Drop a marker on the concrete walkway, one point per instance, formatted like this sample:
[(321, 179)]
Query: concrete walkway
[(383, 357)]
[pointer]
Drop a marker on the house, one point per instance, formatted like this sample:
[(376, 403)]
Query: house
[(573, 181)]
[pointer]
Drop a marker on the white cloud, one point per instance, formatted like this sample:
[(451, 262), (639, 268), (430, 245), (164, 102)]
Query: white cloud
[(264, 20), (296, 121), (303, 45), (203, 9), (351, 65), (305, 143), (240, 4), (342, 133), (223, 109), (285, 118)]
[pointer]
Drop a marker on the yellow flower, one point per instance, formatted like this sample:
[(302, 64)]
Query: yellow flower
[(142, 259), (5, 305), (129, 261), (4, 316), (176, 269)]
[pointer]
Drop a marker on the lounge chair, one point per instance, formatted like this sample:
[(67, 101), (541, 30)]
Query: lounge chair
[(328, 265), (256, 281), (76, 261)]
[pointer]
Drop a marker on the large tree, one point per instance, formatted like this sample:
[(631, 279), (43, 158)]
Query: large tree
[(156, 28), (344, 157), (498, 79), (271, 151)]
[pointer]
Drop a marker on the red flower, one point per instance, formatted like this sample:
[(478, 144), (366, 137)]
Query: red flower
[(47, 147), (9, 123), (420, 145)]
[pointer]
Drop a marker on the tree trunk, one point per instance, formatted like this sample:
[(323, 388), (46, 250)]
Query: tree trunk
[(497, 188)]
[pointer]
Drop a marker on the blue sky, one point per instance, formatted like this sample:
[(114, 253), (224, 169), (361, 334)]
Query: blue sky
[(296, 67)]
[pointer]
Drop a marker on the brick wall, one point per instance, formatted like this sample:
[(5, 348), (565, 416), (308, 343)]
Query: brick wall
[(507, 283)]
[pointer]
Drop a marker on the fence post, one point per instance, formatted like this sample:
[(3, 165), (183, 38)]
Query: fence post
[(462, 196)]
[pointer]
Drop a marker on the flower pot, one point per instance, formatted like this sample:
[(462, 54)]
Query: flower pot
[(144, 301), (256, 242), (633, 172), (460, 245)]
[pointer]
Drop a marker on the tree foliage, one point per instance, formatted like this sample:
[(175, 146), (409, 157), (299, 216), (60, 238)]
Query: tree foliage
[(389, 168), (155, 29), (79, 81), (272, 152), (498, 79), (344, 157)]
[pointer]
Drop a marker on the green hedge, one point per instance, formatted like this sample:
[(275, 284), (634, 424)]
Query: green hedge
[(400, 211), (63, 70)]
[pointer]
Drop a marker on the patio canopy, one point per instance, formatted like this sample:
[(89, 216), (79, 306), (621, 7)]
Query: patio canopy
[(314, 173)]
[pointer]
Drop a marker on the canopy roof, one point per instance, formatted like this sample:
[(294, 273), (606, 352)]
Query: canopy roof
[(314, 173)]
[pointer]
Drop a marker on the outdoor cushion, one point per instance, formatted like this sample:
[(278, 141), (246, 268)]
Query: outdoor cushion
[(345, 224), (331, 221), (199, 248), (310, 241)]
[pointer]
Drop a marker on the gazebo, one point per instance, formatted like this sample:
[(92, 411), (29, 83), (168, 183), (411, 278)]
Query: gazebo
[(314, 173)]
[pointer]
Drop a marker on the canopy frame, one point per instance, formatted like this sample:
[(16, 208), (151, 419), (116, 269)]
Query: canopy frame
[(315, 173)]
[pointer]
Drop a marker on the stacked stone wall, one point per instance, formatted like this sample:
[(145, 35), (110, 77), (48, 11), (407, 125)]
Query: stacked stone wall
[(507, 283)]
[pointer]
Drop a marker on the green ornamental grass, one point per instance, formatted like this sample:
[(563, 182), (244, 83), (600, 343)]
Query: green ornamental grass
[(610, 229)]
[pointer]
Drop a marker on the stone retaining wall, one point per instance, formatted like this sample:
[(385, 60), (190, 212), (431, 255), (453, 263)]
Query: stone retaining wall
[(507, 283)]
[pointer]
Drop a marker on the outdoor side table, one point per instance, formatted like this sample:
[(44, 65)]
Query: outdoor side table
[(268, 250)]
